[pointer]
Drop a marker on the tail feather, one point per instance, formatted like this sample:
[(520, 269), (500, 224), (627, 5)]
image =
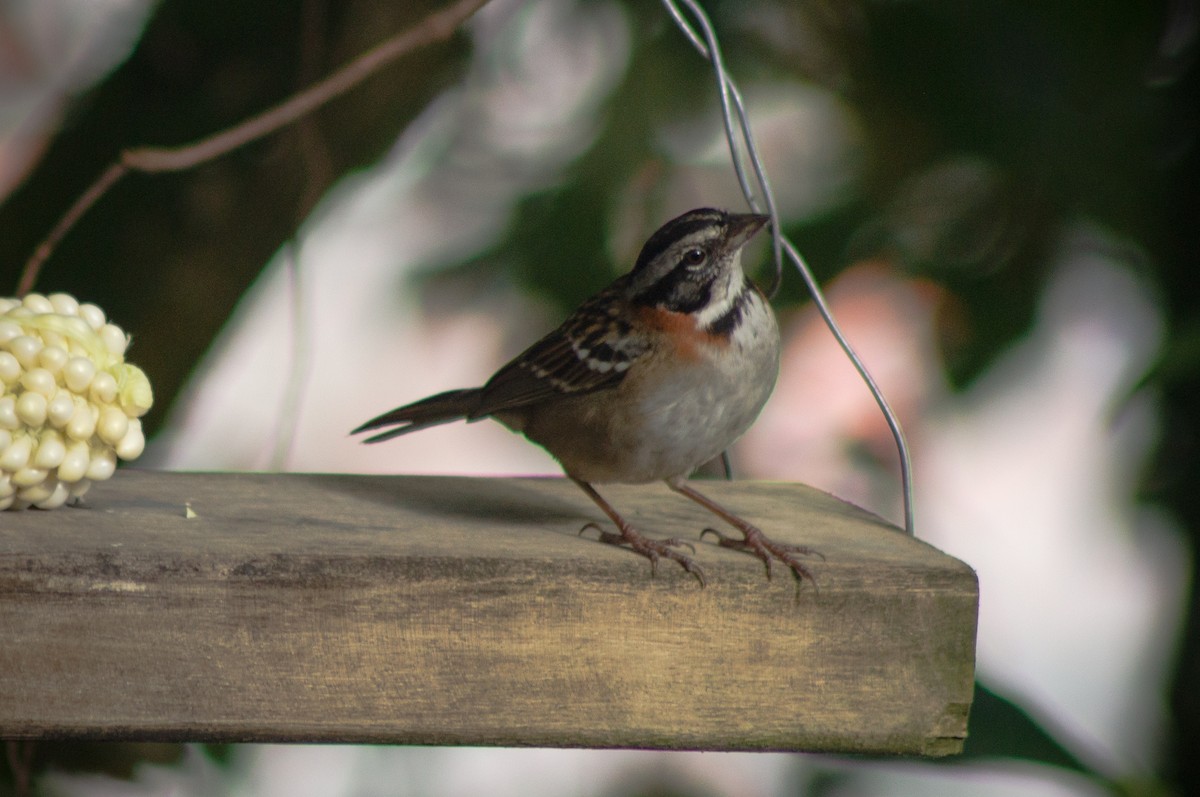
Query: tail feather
[(445, 407)]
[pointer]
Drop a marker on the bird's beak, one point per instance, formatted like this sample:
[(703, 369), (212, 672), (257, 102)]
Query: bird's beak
[(742, 227)]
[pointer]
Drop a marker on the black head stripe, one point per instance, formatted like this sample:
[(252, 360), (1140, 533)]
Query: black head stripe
[(677, 228), (679, 291)]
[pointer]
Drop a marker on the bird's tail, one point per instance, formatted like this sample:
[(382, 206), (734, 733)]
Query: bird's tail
[(453, 405)]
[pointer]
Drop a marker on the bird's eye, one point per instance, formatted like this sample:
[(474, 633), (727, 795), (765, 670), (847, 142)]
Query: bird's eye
[(693, 257)]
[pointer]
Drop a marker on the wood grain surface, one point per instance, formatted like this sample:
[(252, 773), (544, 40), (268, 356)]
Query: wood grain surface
[(431, 610)]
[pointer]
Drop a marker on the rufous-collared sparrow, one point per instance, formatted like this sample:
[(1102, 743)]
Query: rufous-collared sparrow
[(649, 379)]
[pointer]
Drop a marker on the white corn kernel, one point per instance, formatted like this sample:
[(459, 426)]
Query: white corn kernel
[(39, 380), (113, 425), (9, 329), (60, 409), (114, 339), (16, 456), (38, 491), (8, 413), (93, 315), (10, 369), (82, 424), (25, 348), (103, 389), (133, 443), (77, 489), (78, 374), (57, 498), (50, 451), (75, 464), (102, 464), (27, 477), (31, 408), (38, 303), (53, 358), (64, 303)]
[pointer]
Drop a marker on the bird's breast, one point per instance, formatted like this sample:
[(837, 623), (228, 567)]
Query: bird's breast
[(678, 407)]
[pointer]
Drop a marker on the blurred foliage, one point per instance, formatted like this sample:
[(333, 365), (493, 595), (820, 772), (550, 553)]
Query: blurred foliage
[(988, 126), (999, 728), (1001, 734), (116, 759)]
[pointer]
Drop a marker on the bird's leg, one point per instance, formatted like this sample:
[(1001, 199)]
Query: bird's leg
[(633, 539), (753, 540)]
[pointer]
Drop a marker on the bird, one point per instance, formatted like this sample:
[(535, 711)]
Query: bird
[(655, 375)]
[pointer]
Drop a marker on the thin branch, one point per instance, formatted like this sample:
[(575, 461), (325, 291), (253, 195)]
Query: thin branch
[(435, 28), (88, 198)]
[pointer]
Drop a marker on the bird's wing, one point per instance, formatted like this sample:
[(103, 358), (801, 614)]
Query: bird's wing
[(592, 350)]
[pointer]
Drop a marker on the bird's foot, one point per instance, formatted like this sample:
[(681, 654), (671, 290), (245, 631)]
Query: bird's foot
[(631, 538), (758, 544)]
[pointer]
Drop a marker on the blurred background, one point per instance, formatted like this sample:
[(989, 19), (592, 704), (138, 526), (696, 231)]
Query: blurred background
[(1001, 199)]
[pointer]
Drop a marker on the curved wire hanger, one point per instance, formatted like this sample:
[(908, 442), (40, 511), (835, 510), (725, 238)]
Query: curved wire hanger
[(741, 148)]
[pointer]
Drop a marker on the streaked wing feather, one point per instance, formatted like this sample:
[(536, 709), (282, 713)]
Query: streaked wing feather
[(548, 369), (563, 363)]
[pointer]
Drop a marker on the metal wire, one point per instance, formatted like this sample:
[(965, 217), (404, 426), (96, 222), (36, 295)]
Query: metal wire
[(710, 49)]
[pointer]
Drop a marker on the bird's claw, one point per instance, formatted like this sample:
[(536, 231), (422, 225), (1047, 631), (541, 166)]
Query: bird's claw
[(630, 538), (758, 544), (721, 538)]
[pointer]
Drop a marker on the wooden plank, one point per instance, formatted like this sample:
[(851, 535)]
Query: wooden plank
[(468, 611)]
